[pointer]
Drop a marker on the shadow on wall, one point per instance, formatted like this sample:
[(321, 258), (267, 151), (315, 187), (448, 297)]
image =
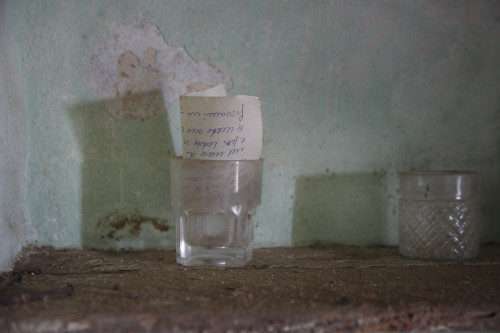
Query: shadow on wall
[(125, 186), (340, 209), (489, 213)]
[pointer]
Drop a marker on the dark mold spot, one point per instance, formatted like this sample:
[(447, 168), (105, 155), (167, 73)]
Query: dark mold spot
[(344, 300)]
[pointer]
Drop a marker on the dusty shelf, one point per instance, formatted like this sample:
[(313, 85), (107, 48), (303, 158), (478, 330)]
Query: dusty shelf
[(283, 289)]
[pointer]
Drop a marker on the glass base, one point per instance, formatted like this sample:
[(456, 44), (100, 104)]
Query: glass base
[(207, 237), (438, 229), (221, 257)]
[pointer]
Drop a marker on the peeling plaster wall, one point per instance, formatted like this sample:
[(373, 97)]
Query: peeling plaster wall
[(353, 92)]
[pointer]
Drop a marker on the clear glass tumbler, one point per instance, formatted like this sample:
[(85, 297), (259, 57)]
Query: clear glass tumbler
[(438, 215), (214, 202)]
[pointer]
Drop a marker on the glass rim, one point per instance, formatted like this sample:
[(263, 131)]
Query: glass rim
[(438, 173), (433, 185), (196, 160)]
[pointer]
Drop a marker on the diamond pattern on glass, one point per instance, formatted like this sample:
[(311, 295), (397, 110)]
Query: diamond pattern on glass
[(438, 229)]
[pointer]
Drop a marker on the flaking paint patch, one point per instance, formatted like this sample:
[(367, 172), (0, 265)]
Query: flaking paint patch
[(137, 61)]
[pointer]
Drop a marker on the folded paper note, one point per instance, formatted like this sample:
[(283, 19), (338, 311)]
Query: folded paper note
[(220, 127), (215, 91)]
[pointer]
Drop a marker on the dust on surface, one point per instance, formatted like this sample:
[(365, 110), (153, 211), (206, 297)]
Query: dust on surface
[(285, 289)]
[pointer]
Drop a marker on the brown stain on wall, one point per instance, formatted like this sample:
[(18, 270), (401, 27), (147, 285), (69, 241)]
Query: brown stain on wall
[(136, 80), (118, 225)]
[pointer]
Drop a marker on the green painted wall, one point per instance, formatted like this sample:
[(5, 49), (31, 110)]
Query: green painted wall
[(352, 92), (15, 230)]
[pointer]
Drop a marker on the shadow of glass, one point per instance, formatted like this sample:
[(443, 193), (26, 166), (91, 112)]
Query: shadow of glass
[(339, 209), (125, 185)]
